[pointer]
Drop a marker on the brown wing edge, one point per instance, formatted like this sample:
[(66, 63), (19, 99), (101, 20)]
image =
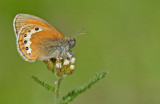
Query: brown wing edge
[(35, 18), (14, 24), (29, 16)]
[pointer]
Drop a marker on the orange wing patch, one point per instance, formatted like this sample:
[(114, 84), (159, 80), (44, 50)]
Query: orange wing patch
[(32, 41)]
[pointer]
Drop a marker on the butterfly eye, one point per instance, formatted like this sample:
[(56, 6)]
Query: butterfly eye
[(71, 42)]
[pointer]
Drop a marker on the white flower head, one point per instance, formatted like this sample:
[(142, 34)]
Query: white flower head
[(66, 62), (58, 65), (73, 60), (72, 67)]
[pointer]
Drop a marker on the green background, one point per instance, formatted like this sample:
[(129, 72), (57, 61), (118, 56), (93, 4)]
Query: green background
[(123, 38)]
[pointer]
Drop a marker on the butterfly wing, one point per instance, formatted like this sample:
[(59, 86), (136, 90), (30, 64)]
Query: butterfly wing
[(36, 39), (37, 42), (22, 20)]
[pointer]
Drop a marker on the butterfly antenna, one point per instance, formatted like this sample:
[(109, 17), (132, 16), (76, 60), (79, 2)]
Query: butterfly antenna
[(78, 33)]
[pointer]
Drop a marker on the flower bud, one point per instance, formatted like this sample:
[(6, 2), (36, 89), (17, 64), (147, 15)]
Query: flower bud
[(72, 67), (73, 60), (58, 65), (66, 62)]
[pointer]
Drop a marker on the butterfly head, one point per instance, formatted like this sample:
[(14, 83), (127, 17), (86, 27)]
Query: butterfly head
[(71, 42)]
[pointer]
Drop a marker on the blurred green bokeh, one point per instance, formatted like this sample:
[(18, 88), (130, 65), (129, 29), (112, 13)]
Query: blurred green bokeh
[(123, 38)]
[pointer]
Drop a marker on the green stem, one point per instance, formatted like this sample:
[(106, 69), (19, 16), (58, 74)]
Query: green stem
[(57, 85)]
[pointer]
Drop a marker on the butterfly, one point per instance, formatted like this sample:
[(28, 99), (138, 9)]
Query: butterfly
[(38, 40)]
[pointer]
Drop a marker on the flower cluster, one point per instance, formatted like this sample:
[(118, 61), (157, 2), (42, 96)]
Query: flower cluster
[(65, 66)]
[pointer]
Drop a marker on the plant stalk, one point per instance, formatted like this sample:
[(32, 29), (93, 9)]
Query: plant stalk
[(57, 85)]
